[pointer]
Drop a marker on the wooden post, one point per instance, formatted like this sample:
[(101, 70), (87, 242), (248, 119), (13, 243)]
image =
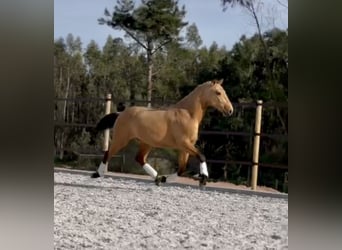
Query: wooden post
[(256, 144), (106, 132)]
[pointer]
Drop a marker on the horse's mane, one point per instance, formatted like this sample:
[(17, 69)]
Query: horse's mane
[(186, 99)]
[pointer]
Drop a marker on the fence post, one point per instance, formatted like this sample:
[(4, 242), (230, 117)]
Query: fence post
[(256, 144), (106, 132)]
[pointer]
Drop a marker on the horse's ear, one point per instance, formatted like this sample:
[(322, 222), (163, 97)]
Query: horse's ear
[(220, 82)]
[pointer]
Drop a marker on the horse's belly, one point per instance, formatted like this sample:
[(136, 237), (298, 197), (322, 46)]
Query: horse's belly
[(161, 129), (157, 138)]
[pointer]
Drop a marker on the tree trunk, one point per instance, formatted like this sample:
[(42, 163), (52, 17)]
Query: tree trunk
[(66, 96), (132, 93), (61, 146), (265, 50), (256, 19), (283, 125), (61, 151), (149, 77), (73, 107)]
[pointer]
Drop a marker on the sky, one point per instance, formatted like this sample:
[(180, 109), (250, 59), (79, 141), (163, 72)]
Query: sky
[(79, 17)]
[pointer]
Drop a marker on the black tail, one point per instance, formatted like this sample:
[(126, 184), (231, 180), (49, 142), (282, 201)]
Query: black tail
[(107, 121)]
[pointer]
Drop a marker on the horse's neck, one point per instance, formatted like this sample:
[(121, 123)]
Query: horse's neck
[(193, 104)]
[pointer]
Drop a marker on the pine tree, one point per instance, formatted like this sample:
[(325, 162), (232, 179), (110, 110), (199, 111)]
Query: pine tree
[(152, 25)]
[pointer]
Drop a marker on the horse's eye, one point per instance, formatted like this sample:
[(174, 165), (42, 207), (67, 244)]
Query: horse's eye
[(218, 93)]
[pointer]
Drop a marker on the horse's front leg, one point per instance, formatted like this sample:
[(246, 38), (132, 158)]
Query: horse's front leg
[(203, 175), (182, 161)]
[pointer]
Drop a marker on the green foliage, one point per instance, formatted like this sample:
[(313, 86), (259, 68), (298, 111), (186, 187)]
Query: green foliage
[(193, 39), (82, 139), (154, 19)]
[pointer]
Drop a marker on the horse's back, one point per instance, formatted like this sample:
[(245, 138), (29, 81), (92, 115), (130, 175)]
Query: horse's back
[(159, 116), (137, 120)]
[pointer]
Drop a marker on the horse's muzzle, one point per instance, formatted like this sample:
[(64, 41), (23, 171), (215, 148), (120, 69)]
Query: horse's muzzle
[(227, 112)]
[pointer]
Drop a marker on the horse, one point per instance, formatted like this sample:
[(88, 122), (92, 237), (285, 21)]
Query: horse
[(174, 127)]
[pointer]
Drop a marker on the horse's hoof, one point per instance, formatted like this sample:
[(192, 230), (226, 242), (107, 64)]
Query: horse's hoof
[(157, 180), (203, 180), (95, 175), (160, 179)]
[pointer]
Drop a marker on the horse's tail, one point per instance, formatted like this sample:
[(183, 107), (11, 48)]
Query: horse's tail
[(107, 121)]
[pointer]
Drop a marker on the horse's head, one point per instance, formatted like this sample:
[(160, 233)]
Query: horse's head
[(215, 96)]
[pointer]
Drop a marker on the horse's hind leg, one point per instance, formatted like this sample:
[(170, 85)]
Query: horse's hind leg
[(117, 144), (144, 150), (141, 157)]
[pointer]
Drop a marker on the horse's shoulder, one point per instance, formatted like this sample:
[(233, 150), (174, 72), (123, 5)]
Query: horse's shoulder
[(179, 113)]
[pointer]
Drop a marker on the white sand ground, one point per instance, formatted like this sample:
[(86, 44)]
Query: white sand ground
[(124, 214)]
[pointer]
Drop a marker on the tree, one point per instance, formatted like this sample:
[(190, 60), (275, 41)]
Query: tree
[(69, 70), (251, 6), (94, 65), (193, 39), (114, 52), (151, 25), (254, 8), (285, 5), (265, 61), (243, 3)]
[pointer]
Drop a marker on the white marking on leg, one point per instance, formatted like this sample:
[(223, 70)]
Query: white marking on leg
[(150, 170), (204, 169), (102, 169)]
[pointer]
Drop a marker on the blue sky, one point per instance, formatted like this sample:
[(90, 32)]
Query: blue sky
[(79, 17)]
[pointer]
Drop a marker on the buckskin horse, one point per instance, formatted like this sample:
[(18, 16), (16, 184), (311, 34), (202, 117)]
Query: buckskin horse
[(173, 127)]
